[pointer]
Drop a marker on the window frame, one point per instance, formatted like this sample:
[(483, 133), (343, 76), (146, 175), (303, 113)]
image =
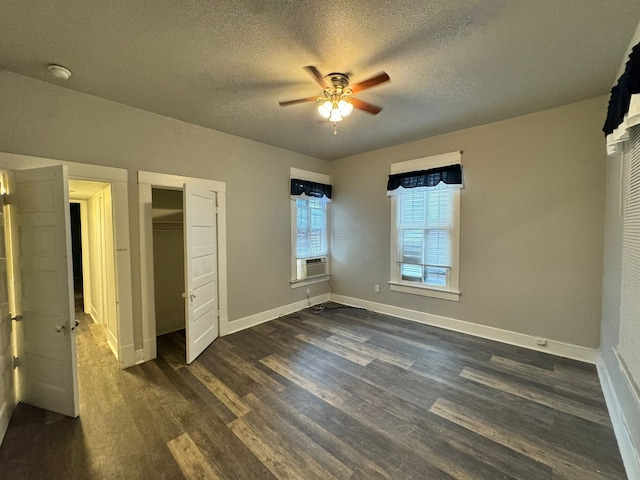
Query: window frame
[(396, 283), (312, 177)]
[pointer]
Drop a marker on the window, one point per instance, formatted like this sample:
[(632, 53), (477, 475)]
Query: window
[(311, 227), (629, 335), (424, 235), (310, 196), (425, 227)]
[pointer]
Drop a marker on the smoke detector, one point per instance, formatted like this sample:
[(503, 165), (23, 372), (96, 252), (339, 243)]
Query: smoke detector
[(59, 71)]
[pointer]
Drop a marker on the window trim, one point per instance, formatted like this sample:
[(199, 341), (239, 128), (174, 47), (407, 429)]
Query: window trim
[(396, 283), (318, 178)]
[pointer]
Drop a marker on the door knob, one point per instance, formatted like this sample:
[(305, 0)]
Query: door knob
[(60, 328), (192, 296), (76, 324)]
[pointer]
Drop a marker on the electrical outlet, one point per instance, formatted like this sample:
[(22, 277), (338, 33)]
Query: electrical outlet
[(376, 288), (308, 292)]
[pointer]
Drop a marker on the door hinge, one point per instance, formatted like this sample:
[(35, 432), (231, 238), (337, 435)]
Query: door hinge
[(16, 362), (17, 318), (6, 199)]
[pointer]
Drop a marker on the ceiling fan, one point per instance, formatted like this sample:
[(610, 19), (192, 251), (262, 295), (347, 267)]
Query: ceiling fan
[(337, 101)]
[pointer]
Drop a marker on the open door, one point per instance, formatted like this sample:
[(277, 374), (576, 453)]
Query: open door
[(45, 335), (201, 272)]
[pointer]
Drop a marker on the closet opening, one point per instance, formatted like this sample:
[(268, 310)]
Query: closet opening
[(168, 266)]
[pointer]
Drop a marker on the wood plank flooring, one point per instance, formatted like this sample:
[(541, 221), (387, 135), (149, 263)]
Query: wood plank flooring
[(343, 394)]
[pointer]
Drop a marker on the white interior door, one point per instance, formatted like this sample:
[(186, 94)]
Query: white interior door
[(6, 370), (46, 342), (201, 271)]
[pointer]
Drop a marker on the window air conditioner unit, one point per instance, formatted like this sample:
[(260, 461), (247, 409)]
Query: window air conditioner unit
[(311, 267)]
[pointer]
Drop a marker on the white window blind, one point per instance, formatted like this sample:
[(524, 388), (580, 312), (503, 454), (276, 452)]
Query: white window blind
[(424, 235), (629, 341), (311, 220)]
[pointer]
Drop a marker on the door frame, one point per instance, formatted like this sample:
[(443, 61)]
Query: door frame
[(147, 181), (118, 178)]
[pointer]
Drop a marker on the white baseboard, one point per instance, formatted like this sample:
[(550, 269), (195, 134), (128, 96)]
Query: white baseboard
[(149, 350), (173, 329), (139, 356), (223, 325), (262, 317), (128, 356), (553, 347), (630, 455), (112, 341), (94, 315)]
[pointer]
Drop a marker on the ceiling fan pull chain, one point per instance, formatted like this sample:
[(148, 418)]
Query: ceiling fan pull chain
[(335, 129)]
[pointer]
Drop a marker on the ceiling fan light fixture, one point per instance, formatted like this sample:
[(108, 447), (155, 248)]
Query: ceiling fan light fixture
[(337, 102), (345, 108), (325, 108), (335, 116)]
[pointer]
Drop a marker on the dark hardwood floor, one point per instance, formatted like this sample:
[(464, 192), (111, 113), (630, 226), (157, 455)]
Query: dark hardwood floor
[(344, 394)]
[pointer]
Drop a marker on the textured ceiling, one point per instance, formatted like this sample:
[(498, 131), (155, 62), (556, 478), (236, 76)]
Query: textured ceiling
[(226, 64)]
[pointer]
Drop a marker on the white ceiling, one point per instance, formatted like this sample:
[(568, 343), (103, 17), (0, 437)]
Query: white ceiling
[(84, 189), (226, 64)]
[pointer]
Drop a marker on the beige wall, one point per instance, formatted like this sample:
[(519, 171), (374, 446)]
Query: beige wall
[(532, 220), (44, 120), (532, 210)]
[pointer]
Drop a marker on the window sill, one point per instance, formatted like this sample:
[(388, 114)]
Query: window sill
[(309, 281), (425, 291)]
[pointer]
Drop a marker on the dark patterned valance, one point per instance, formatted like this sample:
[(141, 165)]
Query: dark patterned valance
[(451, 175), (310, 189), (628, 84)]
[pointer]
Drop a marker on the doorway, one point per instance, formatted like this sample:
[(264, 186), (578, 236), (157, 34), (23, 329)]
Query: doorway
[(205, 281), (43, 342), (118, 207), (167, 215), (168, 259), (76, 252), (93, 252)]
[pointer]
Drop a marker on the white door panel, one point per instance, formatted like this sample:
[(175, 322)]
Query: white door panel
[(201, 272), (46, 334), (6, 372)]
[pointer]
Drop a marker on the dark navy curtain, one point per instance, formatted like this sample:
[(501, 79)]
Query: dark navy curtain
[(310, 189), (628, 84), (451, 175)]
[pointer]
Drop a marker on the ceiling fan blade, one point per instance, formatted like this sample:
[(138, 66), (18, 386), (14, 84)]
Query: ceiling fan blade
[(366, 106), (372, 82), (317, 76), (300, 100)]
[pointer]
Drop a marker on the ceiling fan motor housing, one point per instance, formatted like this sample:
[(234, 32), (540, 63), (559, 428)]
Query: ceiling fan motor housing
[(338, 80)]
